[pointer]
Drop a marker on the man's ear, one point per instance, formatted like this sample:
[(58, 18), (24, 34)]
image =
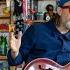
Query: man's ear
[(59, 11)]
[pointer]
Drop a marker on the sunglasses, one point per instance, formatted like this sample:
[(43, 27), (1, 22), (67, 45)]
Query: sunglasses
[(66, 7)]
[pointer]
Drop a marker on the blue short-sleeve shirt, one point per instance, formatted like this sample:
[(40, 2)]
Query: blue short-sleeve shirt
[(43, 40)]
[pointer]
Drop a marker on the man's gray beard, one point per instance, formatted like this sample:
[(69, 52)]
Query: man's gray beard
[(67, 25)]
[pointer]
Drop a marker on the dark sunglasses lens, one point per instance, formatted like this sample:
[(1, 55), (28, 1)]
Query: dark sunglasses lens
[(65, 7)]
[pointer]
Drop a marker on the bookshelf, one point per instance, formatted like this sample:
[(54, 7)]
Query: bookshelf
[(5, 21)]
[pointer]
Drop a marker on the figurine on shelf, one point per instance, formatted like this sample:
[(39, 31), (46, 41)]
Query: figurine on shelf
[(3, 45)]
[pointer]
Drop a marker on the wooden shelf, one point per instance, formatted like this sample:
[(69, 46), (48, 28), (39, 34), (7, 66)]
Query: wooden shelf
[(3, 57), (2, 2), (4, 17)]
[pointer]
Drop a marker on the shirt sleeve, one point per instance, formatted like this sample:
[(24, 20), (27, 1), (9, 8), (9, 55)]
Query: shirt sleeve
[(63, 58), (27, 42)]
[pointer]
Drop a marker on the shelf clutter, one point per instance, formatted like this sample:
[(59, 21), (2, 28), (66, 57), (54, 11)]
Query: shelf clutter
[(5, 29)]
